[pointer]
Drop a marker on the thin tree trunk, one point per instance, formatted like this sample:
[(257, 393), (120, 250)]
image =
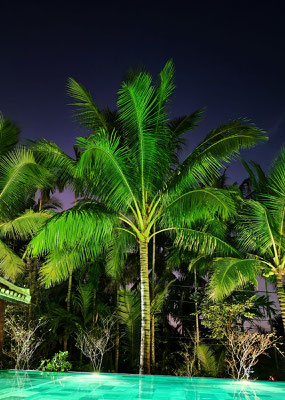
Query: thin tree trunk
[(271, 324), (196, 314), (152, 297), (281, 297), (145, 310), (68, 307), (117, 342), (2, 323), (268, 307), (31, 286), (41, 201)]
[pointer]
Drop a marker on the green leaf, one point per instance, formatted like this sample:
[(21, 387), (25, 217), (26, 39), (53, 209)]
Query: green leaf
[(231, 274)]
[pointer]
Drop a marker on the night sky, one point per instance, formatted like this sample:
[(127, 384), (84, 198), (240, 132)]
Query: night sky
[(229, 56)]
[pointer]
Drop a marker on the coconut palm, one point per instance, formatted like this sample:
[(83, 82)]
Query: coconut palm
[(20, 177), (260, 232), (132, 181)]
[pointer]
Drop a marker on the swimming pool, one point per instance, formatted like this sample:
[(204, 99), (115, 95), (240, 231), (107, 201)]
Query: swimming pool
[(81, 386)]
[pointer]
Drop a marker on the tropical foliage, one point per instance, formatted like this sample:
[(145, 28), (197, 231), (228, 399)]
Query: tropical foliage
[(131, 180), (152, 244)]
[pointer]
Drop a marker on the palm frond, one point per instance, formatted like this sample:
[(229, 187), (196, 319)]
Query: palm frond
[(160, 296), (83, 301), (121, 244), (19, 175), (219, 147), (255, 228), (87, 113), (276, 176), (203, 242), (74, 228), (231, 274), (129, 316), (25, 225), (61, 263), (141, 115), (207, 358), (51, 157), (108, 166), (10, 264), (199, 204), (9, 135)]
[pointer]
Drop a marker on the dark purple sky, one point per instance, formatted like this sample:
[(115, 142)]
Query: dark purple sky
[(229, 57)]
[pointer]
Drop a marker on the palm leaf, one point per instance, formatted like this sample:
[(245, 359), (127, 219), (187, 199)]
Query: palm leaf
[(276, 176), (159, 297), (61, 263), (207, 358), (9, 135), (75, 227), (19, 176), (140, 111), (198, 204), (110, 169), (129, 316), (88, 113), (25, 225), (231, 274), (203, 242), (219, 146), (10, 264)]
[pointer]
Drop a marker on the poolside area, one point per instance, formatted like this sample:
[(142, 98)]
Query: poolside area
[(92, 386)]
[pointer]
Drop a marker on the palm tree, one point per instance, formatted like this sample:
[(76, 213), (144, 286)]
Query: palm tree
[(20, 177), (260, 237), (132, 181)]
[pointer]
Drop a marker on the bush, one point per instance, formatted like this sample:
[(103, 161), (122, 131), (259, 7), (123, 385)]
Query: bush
[(58, 363)]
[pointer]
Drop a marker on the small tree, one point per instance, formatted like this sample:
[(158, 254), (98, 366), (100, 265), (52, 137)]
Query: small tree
[(24, 341), (97, 341), (243, 347), (244, 350)]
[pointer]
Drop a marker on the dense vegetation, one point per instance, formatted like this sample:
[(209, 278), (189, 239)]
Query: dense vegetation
[(154, 251)]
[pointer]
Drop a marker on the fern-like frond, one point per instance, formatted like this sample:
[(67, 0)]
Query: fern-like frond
[(10, 264), (143, 120), (129, 316), (231, 274), (219, 146), (108, 165), (25, 225), (276, 176), (20, 176), (73, 229), (207, 358), (198, 205), (87, 112), (9, 135)]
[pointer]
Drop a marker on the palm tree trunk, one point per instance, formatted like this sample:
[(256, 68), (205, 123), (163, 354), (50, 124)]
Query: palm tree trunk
[(2, 322), (196, 315), (152, 297), (68, 304), (145, 310), (281, 297), (68, 297), (117, 342), (268, 307), (31, 286)]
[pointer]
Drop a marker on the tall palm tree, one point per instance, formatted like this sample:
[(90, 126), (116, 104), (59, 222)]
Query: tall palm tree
[(132, 181), (260, 233), (20, 177)]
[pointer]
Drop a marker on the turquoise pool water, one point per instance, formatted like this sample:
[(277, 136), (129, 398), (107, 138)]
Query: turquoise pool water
[(73, 386)]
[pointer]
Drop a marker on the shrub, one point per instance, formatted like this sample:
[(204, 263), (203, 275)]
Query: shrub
[(58, 363)]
